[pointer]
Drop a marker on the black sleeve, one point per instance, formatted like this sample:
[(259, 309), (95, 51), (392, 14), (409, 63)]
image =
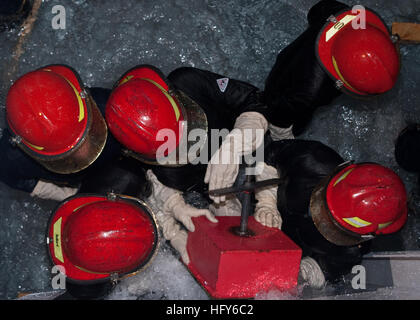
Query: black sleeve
[(113, 148), (203, 88), (303, 164), (297, 84), (100, 95), (122, 176), (20, 171), (9, 7), (321, 11)]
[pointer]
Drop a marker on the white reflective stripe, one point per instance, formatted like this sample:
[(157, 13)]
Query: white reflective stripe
[(338, 26), (357, 222)]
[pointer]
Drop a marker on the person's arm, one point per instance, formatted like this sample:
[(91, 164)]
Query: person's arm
[(51, 191), (297, 85), (223, 167), (168, 204), (171, 201), (171, 230), (19, 171), (233, 99), (100, 96), (320, 12), (266, 211)]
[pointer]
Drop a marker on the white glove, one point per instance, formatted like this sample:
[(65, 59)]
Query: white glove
[(266, 211), (179, 242), (50, 191), (278, 133), (171, 231), (184, 212), (171, 201), (246, 137), (232, 207), (310, 273)]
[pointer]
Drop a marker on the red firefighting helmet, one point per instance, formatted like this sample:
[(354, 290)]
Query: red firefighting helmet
[(359, 202), (54, 120), (142, 109), (363, 60), (98, 239)]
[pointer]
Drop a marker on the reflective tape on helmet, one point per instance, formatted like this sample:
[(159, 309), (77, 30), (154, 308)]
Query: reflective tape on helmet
[(86, 270), (384, 225), (344, 176), (79, 98), (335, 64), (338, 26), (357, 222), (58, 252), (167, 95), (84, 205), (128, 78), (33, 146)]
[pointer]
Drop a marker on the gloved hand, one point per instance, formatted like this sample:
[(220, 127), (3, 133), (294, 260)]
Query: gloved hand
[(172, 231), (310, 273), (171, 201), (246, 137), (230, 208), (266, 211), (184, 212), (50, 191), (179, 242)]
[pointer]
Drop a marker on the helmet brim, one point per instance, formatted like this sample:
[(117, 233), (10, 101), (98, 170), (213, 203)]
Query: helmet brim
[(86, 151), (324, 221)]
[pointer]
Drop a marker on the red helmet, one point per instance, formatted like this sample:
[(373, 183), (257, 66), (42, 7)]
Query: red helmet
[(97, 238), (362, 61), (142, 105), (358, 202), (54, 120)]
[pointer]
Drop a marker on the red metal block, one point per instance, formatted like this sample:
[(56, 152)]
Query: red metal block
[(230, 266)]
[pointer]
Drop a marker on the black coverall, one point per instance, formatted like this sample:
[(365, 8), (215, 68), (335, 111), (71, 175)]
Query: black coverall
[(304, 164)]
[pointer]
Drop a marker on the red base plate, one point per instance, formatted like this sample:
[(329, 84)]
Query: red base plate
[(230, 266)]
